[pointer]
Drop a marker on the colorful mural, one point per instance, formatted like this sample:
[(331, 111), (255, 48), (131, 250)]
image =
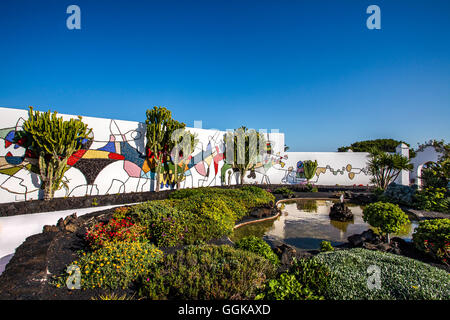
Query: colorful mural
[(115, 161), (298, 176)]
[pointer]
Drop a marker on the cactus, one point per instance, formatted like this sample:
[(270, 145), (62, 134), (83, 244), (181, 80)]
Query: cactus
[(54, 141), (158, 121), (309, 168), (246, 149)]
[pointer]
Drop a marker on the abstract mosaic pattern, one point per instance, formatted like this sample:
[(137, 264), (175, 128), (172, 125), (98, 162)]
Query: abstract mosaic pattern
[(119, 164)]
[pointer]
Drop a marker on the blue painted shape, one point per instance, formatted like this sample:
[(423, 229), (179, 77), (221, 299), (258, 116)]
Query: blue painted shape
[(109, 147)]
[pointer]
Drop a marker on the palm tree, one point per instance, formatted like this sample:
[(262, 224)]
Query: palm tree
[(386, 167)]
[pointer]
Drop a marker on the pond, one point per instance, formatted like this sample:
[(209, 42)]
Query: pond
[(304, 224)]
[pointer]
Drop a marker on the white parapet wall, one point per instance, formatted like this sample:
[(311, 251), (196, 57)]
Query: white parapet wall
[(115, 162), (333, 168)]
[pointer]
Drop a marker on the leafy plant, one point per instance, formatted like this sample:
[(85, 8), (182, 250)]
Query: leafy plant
[(287, 287), (384, 145), (116, 265), (387, 217), (437, 175), (258, 246), (54, 141), (313, 274), (207, 272), (207, 218), (164, 224), (285, 191), (433, 199), (245, 146), (160, 142), (326, 246), (115, 230), (310, 188), (94, 202), (385, 167), (310, 168), (306, 279), (433, 237)]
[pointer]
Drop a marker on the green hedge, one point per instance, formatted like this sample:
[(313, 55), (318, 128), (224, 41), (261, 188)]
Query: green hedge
[(192, 215), (401, 278), (207, 272)]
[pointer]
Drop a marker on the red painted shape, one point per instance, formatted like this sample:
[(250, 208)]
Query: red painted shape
[(9, 154), (75, 157), (115, 156), (7, 143)]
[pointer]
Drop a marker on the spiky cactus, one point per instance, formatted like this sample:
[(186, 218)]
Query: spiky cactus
[(309, 168), (243, 148), (54, 141)]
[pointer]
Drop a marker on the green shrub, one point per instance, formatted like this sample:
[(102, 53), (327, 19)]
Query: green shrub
[(115, 265), (239, 200), (287, 287), (207, 272), (258, 246), (283, 191), (122, 229), (312, 274), (165, 226), (206, 219), (433, 199), (326, 246), (437, 175), (306, 279), (193, 215), (433, 237), (310, 188), (401, 278), (387, 217)]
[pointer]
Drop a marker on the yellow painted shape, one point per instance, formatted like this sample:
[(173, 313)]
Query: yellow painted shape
[(95, 154)]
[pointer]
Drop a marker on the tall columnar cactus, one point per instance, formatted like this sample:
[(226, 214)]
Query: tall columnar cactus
[(54, 141), (183, 142), (309, 168), (243, 148)]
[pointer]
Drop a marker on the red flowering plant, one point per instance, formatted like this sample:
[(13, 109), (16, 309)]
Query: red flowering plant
[(122, 229), (433, 237), (440, 253)]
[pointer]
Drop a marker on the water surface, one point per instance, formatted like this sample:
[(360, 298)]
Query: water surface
[(306, 223)]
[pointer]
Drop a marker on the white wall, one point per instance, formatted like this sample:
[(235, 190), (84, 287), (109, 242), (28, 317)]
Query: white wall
[(124, 142), (428, 154), (343, 168)]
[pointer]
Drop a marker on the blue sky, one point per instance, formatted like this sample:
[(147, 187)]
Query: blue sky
[(311, 69)]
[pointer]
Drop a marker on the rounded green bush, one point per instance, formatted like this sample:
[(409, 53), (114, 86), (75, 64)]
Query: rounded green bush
[(207, 272), (433, 237), (387, 217), (258, 246)]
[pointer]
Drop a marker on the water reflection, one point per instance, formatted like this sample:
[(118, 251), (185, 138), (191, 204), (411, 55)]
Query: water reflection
[(305, 223)]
